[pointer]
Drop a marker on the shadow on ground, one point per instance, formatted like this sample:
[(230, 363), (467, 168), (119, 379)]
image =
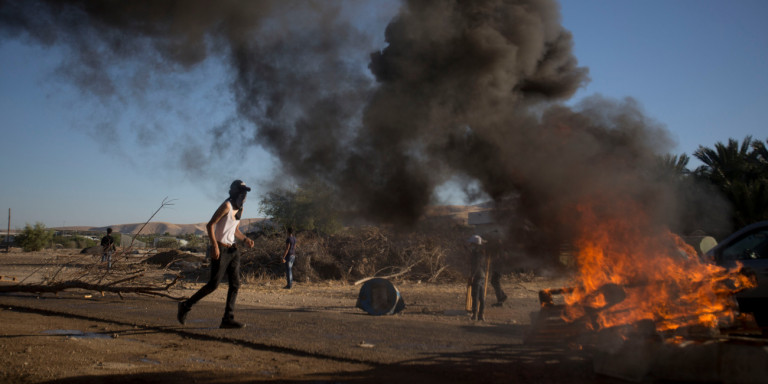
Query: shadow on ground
[(491, 364)]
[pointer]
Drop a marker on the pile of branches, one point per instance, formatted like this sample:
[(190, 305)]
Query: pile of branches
[(361, 253), (127, 274), (124, 276)]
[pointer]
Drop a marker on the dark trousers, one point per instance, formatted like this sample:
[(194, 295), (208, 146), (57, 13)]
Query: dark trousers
[(478, 297), (496, 284), (229, 264)]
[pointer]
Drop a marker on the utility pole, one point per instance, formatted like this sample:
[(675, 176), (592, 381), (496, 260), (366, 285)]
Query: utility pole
[(8, 234)]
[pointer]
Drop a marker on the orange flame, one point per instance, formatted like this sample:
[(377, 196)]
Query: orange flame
[(628, 272)]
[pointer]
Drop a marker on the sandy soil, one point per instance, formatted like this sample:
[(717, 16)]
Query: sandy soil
[(40, 344)]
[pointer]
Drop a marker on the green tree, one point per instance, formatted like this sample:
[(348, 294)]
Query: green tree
[(73, 241), (674, 166), (309, 207), (672, 169), (34, 238), (761, 154), (193, 240), (740, 172), (699, 205), (167, 242)]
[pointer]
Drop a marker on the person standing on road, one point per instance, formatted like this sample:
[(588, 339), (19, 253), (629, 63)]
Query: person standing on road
[(223, 231), (289, 256), (108, 248), (478, 268), (497, 262)]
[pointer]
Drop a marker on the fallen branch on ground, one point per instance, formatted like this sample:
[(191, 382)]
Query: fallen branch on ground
[(113, 287), (118, 279)]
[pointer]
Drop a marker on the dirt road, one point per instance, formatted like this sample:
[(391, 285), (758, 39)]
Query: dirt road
[(312, 333)]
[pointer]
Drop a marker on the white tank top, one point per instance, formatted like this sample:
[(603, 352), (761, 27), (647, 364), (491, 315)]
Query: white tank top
[(225, 228)]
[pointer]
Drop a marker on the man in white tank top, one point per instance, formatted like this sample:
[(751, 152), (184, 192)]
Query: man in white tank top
[(223, 232)]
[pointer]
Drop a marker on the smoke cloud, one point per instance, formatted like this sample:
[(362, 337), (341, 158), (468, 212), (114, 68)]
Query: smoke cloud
[(463, 90)]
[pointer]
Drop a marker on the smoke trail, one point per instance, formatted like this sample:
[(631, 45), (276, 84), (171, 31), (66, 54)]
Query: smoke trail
[(463, 89), (456, 81)]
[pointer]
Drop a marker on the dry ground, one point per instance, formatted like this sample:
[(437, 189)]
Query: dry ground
[(38, 346)]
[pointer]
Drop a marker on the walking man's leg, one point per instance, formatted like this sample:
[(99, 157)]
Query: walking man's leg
[(233, 276), (217, 273), (501, 297)]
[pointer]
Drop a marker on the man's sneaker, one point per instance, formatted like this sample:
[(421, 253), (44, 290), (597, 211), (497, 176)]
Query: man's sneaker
[(181, 314), (231, 324)]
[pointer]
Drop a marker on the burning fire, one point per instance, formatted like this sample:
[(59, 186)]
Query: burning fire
[(628, 272)]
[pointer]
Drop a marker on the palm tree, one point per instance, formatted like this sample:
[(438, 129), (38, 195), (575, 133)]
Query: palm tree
[(725, 163), (761, 153), (674, 165), (740, 172)]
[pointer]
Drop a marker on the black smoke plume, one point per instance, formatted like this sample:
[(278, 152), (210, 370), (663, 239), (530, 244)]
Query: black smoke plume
[(463, 90)]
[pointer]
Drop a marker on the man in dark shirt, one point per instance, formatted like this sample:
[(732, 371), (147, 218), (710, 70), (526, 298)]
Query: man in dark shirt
[(289, 257), (108, 247)]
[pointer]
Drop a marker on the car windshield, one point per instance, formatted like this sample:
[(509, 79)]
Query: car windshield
[(752, 246)]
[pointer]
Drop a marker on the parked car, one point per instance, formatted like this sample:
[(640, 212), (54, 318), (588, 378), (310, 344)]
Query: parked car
[(749, 247)]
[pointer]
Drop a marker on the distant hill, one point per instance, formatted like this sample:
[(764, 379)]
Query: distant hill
[(157, 228), (455, 212)]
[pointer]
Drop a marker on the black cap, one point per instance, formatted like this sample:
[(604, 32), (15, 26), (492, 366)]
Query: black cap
[(239, 186)]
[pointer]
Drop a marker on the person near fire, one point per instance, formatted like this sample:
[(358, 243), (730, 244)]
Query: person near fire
[(497, 262), (289, 257), (478, 272), (107, 248), (223, 232)]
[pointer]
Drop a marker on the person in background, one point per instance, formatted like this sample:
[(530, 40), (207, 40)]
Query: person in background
[(289, 257), (223, 231), (108, 248), (497, 260), (478, 270)]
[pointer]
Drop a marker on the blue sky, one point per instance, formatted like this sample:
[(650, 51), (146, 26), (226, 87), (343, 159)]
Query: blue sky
[(698, 67)]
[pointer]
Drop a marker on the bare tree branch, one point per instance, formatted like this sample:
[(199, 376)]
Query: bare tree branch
[(64, 285), (403, 272), (118, 279)]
